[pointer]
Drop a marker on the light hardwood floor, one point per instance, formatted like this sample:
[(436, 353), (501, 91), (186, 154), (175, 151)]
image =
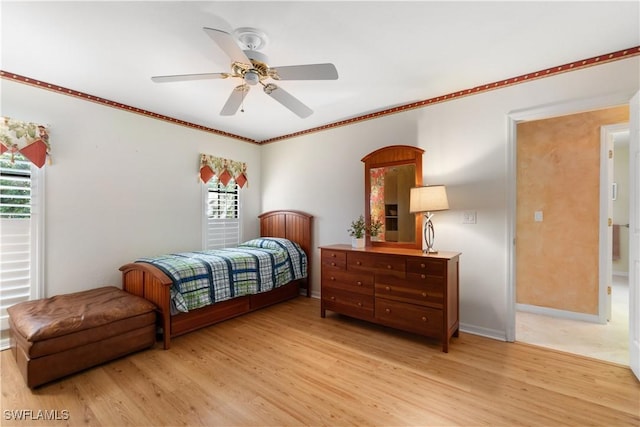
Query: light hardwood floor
[(286, 366)]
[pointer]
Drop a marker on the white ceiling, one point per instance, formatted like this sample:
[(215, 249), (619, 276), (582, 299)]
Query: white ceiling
[(386, 53)]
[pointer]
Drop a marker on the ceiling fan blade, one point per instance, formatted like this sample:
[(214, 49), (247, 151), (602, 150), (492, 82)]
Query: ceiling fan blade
[(306, 72), (188, 77), (235, 100), (228, 44), (288, 100)]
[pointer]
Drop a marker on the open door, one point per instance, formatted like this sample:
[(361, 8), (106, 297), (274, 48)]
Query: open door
[(606, 219), (634, 234)]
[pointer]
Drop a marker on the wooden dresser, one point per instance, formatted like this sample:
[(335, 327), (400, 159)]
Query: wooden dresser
[(401, 288)]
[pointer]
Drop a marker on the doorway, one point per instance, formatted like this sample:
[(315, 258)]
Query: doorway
[(607, 340), (538, 319)]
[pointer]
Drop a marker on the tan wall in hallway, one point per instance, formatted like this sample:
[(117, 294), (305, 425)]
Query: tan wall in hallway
[(558, 173)]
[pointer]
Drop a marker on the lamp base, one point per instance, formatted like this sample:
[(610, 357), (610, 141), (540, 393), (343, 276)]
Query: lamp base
[(429, 234)]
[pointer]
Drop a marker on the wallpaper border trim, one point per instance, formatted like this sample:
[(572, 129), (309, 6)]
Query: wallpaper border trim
[(572, 66), (113, 104)]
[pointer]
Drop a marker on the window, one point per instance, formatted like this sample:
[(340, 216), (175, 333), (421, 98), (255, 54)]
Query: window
[(221, 215), (21, 231)]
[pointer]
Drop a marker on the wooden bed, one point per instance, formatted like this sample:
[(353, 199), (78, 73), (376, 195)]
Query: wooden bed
[(151, 283)]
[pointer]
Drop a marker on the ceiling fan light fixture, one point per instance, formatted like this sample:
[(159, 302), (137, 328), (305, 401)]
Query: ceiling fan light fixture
[(251, 77), (251, 67)]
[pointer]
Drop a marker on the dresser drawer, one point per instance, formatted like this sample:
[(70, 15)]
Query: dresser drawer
[(426, 266), (361, 283), (376, 263), (334, 259), (427, 292), (348, 303), (413, 318)]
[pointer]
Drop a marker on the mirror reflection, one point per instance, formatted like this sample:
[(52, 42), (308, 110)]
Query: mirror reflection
[(389, 174), (389, 202)]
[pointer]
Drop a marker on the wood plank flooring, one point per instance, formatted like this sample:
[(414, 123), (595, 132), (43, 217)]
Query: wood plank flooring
[(286, 366)]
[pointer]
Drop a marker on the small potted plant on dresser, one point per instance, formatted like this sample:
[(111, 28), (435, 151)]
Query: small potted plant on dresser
[(356, 231), (374, 229)]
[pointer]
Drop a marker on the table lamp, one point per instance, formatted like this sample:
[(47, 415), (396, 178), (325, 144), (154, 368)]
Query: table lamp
[(427, 200)]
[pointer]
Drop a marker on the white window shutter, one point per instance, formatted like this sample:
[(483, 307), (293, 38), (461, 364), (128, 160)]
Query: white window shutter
[(221, 215), (21, 231)]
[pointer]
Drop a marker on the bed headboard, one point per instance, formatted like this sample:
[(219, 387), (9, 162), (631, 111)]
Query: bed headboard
[(293, 225)]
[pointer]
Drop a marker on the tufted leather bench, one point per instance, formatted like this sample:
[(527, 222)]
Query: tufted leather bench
[(54, 337)]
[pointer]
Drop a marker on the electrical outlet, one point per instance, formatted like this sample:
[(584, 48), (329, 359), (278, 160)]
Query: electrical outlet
[(469, 217)]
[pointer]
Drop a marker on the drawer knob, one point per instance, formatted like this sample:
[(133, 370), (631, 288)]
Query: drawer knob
[(333, 264), (424, 318), (423, 276), (359, 304), (387, 288), (387, 310), (333, 255), (388, 267), (333, 278), (359, 283), (424, 294), (333, 298), (358, 263)]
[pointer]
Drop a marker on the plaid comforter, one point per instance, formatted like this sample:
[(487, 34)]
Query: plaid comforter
[(205, 277)]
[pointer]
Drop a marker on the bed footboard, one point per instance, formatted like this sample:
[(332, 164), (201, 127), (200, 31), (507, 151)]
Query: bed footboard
[(152, 284)]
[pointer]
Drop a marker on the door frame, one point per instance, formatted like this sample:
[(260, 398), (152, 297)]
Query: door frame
[(513, 118), (634, 234)]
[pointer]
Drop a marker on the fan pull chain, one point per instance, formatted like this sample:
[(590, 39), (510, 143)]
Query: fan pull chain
[(244, 93)]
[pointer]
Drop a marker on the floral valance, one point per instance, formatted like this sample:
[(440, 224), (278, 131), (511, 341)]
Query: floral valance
[(224, 169), (29, 139)]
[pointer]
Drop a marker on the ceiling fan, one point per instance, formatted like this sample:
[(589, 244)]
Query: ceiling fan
[(250, 66)]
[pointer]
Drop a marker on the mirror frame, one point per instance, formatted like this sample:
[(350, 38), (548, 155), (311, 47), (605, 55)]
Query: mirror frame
[(394, 155)]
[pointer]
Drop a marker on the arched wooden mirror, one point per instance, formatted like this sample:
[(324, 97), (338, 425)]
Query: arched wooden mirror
[(389, 174)]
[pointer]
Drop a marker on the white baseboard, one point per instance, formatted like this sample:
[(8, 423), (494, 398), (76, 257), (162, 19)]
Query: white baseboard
[(483, 332), (4, 344), (554, 312), (621, 273)]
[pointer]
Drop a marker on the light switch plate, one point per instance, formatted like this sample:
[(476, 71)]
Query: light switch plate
[(537, 216), (469, 217)]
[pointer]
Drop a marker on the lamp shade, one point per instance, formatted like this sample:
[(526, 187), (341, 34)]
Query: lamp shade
[(428, 199)]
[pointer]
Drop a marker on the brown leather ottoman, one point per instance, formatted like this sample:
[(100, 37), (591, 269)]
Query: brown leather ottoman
[(64, 334)]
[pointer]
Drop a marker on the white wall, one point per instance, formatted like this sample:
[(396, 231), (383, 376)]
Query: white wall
[(466, 148), (124, 185), (121, 185)]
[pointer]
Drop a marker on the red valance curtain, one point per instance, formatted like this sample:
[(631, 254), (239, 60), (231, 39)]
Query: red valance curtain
[(29, 139), (225, 169)]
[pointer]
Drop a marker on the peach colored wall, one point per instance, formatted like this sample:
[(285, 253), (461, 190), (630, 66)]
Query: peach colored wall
[(558, 174)]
